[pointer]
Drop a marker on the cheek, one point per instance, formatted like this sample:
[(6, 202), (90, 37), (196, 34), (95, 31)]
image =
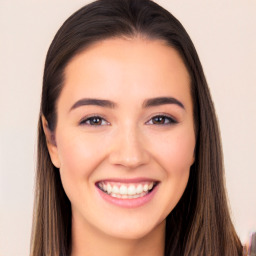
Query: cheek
[(176, 152), (175, 155), (79, 154)]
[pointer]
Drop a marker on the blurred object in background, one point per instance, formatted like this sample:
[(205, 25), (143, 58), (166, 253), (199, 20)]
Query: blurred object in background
[(250, 247)]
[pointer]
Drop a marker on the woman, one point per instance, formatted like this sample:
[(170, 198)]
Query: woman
[(129, 154)]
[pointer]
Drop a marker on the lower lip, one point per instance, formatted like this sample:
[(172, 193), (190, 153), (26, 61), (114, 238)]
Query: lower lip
[(128, 203)]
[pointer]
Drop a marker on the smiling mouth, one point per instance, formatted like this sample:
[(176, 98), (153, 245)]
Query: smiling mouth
[(126, 190)]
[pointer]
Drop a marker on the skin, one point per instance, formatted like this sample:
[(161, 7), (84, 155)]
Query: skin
[(127, 143)]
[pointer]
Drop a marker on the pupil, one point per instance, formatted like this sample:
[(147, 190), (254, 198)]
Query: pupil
[(159, 120), (96, 120)]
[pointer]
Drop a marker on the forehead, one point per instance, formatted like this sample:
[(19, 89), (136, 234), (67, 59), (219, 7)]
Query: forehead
[(120, 68)]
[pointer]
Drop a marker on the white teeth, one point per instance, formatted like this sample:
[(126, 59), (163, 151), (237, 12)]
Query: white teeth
[(145, 187), (131, 190), (115, 190), (126, 190), (139, 189), (109, 188), (123, 190)]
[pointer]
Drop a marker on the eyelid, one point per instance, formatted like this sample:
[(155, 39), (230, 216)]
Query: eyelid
[(171, 119), (86, 118)]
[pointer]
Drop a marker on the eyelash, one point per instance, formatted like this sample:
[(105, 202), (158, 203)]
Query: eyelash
[(84, 121), (170, 120)]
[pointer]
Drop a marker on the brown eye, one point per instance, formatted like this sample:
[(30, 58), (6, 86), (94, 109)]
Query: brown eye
[(158, 120), (94, 121), (162, 120)]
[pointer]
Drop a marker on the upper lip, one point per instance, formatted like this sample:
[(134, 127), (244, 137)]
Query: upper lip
[(132, 180)]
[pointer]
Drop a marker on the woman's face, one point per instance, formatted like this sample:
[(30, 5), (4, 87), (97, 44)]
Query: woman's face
[(125, 124)]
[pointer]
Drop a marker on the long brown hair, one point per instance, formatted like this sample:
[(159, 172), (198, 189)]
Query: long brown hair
[(200, 223)]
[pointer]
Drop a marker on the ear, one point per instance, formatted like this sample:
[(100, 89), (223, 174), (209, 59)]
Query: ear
[(51, 143)]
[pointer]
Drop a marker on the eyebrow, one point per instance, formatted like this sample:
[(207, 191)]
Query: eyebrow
[(95, 102), (110, 104), (162, 101)]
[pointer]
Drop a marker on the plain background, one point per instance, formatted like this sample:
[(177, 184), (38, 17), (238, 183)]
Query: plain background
[(224, 33)]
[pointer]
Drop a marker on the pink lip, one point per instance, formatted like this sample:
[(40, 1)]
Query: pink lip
[(134, 180), (128, 203)]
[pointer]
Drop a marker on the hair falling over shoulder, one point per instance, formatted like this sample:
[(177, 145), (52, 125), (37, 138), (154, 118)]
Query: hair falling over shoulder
[(200, 224)]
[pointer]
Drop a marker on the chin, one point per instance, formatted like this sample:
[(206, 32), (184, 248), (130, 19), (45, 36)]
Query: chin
[(128, 231)]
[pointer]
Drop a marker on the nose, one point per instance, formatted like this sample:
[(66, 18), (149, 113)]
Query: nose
[(129, 149)]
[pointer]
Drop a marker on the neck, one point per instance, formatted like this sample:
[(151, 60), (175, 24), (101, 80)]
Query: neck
[(90, 242)]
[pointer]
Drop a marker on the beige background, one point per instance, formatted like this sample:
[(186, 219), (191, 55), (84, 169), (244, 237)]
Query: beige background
[(224, 33)]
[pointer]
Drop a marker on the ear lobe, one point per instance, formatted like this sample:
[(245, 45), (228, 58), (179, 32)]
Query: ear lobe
[(51, 143)]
